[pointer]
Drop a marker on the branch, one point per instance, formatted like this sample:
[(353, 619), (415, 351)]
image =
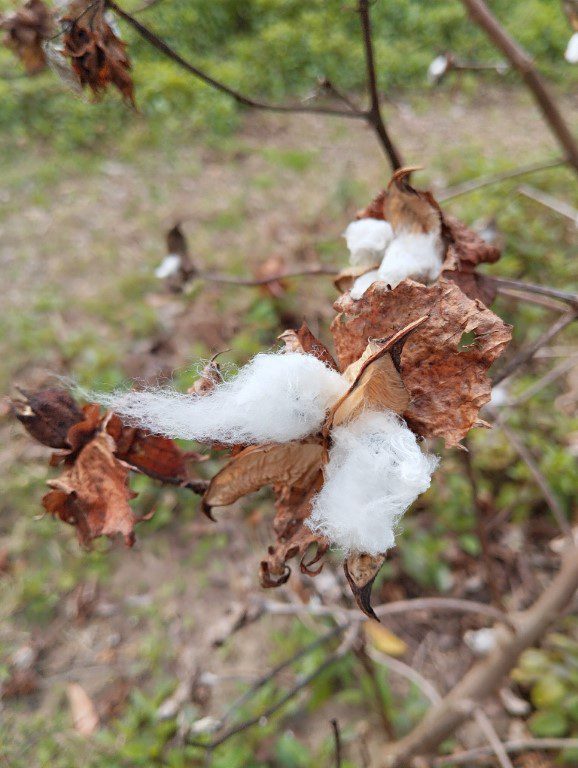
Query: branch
[(246, 101), (337, 740), (373, 115), (548, 201), (540, 290), (486, 676), (214, 277), (528, 352), (511, 747), (521, 61), (486, 727), (497, 178)]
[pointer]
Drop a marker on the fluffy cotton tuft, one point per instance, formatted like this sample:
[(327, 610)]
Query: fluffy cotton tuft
[(571, 53), (275, 397), (415, 255), (376, 469), (437, 69), (362, 283), (367, 240), (169, 266)]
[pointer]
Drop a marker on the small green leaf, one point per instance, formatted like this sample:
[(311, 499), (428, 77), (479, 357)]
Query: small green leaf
[(548, 724)]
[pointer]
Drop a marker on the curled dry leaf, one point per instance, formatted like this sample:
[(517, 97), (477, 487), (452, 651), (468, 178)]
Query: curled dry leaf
[(98, 56), (93, 494), (447, 383), (48, 415), (26, 30), (465, 251), (305, 342)]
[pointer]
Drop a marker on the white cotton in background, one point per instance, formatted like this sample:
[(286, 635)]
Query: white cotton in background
[(367, 240), (274, 398), (362, 283), (376, 469), (571, 53), (169, 266), (410, 254), (437, 69)]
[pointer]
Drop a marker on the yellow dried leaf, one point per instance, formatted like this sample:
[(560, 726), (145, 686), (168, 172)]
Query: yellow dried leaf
[(382, 639)]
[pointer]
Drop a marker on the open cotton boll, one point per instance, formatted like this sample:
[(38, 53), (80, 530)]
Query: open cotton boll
[(169, 266), (376, 469), (362, 283), (416, 255), (367, 240), (571, 53), (275, 397)]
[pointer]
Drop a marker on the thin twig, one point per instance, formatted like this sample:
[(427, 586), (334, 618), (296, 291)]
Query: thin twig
[(522, 62), (337, 741), (246, 101), (566, 297), (214, 277), (497, 178), (544, 381), (541, 481), (492, 737), (373, 116), (495, 591), (528, 352), (511, 747), (404, 670), (389, 609), (558, 206), (367, 664)]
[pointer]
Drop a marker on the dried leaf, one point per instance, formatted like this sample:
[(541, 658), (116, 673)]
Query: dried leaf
[(26, 30), (48, 415), (93, 494), (382, 639), (408, 209), (465, 250), (361, 570), (292, 464), (98, 56), (209, 378), (349, 275), (447, 384), (82, 709), (305, 342)]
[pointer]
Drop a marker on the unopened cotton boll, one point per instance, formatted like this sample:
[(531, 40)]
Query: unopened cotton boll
[(367, 240), (571, 53), (274, 398), (412, 254), (376, 469)]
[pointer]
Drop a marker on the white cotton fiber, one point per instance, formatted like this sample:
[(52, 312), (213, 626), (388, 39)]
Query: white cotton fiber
[(169, 266), (376, 469), (571, 53), (415, 255), (362, 283), (367, 240), (275, 397)]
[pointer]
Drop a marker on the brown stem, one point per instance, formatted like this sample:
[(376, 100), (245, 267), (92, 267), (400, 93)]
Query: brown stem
[(523, 745), (521, 61), (528, 352), (496, 178), (369, 668), (214, 277), (164, 48), (486, 676), (540, 290), (373, 115), (337, 741)]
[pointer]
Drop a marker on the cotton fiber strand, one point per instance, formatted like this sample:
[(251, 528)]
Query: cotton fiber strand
[(571, 53), (376, 470), (415, 255), (367, 240), (274, 398)]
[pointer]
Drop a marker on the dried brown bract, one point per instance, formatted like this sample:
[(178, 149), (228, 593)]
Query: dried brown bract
[(98, 56), (26, 30)]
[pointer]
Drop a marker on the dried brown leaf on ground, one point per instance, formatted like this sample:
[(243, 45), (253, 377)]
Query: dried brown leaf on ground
[(26, 30), (447, 381), (82, 709), (93, 494), (98, 56)]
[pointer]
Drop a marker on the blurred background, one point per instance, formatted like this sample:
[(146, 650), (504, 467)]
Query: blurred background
[(87, 194)]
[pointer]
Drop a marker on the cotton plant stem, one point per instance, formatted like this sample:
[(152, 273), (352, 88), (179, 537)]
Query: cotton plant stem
[(550, 202), (567, 297), (485, 725), (404, 670), (511, 747), (497, 178), (522, 62), (485, 677), (528, 352), (337, 742), (367, 663)]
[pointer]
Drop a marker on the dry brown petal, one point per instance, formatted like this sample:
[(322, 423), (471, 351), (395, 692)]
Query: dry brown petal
[(97, 55), (93, 494), (361, 570), (447, 381), (292, 464), (305, 342), (48, 415), (26, 30)]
